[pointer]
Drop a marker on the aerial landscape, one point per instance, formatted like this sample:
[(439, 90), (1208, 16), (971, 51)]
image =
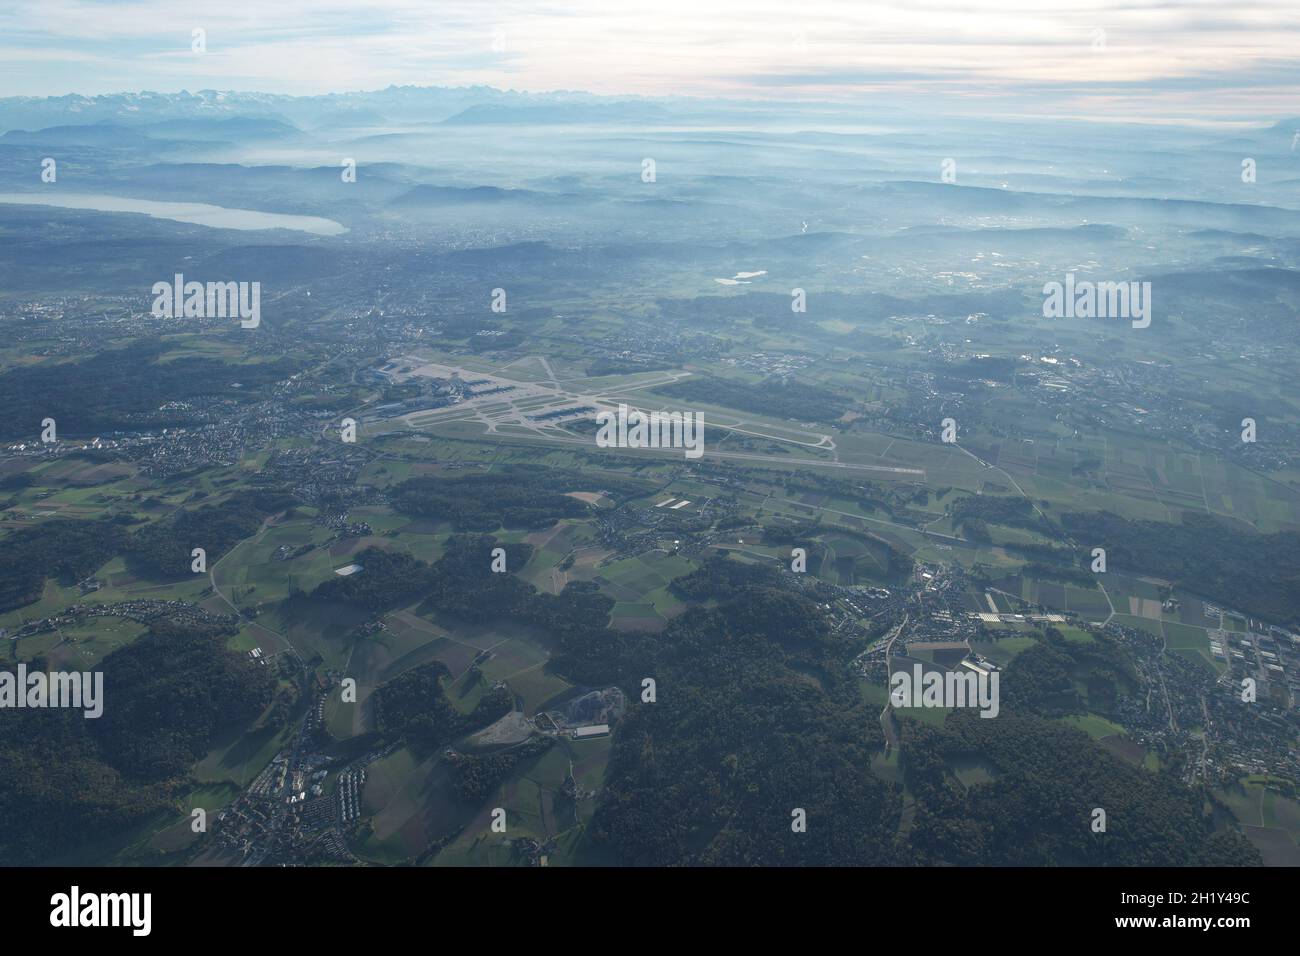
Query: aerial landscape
[(461, 470)]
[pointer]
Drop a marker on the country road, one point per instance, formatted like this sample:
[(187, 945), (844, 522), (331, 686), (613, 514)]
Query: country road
[(887, 715), (216, 589)]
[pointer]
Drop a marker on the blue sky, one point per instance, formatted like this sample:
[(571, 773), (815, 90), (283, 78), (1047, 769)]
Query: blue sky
[(1190, 61)]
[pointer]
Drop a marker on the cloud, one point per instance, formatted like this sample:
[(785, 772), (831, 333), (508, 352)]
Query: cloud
[(1031, 54)]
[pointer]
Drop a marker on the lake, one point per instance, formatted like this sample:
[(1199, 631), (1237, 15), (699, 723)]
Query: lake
[(200, 214)]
